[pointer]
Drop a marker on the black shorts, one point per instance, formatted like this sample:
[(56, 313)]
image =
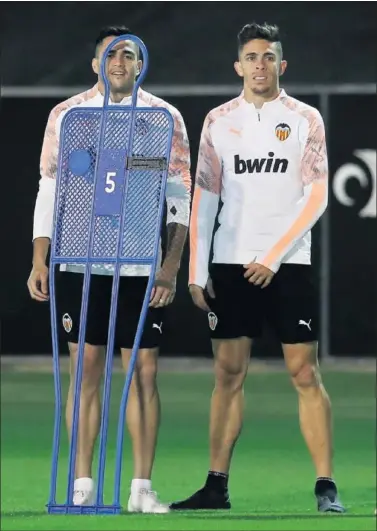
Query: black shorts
[(130, 300), (289, 305)]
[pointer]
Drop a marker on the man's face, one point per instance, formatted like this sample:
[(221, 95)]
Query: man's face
[(122, 64), (260, 65)]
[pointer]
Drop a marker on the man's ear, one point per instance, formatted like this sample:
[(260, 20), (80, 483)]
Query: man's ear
[(95, 65), (139, 67), (283, 67), (238, 68)]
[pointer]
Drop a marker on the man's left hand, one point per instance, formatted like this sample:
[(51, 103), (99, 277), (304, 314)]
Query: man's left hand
[(163, 292), (258, 274)]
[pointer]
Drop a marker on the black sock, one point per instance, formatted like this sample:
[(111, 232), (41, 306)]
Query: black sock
[(217, 481), (323, 484)]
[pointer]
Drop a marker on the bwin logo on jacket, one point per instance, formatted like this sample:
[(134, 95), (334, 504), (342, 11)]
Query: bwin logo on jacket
[(365, 173), (265, 165)]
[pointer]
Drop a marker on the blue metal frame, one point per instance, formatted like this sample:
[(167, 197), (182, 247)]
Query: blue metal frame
[(99, 508)]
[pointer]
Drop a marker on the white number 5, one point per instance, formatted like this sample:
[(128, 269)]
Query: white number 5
[(110, 184)]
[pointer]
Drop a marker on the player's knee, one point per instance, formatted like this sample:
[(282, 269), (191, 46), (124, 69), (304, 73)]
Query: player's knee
[(230, 373), (147, 373), (145, 376), (306, 376), (92, 367)]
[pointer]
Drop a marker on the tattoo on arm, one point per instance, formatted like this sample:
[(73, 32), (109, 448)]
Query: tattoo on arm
[(176, 238)]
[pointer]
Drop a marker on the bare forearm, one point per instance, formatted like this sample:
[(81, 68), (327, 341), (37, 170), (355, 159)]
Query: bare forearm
[(40, 250), (176, 239)]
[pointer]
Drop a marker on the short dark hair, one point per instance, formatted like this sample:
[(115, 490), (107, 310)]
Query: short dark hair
[(110, 31), (267, 32)]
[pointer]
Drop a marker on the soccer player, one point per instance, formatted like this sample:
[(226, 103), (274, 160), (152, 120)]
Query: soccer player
[(143, 410), (264, 154)]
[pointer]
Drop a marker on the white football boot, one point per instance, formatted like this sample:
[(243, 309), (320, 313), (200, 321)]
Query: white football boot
[(83, 492), (146, 501)]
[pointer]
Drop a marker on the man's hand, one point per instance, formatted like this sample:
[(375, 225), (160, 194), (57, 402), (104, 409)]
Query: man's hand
[(38, 283), (197, 294), (258, 274), (163, 292)]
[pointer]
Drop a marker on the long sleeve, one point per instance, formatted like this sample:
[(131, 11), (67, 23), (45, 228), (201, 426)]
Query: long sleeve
[(178, 197), (204, 208), (44, 209), (45, 202), (178, 185), (44, 205), (313, 203)]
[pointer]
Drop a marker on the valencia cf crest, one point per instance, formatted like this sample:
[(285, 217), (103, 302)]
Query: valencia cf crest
[(282, 131), (141, 126), (67, 323), (212, 320)]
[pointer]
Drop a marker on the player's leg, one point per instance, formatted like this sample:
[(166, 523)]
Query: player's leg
[(314, 403), (69, 290), (143, 421), (315, 418), (143, 407), (227, 402), (232, 323), (297, 326), (89, 417), (231, 361)]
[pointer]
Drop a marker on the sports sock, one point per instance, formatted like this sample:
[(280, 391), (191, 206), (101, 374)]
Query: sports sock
[(217, 481), (322, 484), (138, 484)]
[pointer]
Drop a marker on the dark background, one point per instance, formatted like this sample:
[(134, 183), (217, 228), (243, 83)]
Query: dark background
[(188, 42), (192, 46)]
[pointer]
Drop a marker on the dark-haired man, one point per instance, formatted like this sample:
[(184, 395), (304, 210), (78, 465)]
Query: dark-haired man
[(264, 154), (143, 410)]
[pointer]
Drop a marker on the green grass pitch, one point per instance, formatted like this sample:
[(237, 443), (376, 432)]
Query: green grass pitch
[(271, 481)]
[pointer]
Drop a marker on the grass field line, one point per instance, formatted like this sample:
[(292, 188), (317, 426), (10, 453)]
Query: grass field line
[(181, 364), (272, 477)]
